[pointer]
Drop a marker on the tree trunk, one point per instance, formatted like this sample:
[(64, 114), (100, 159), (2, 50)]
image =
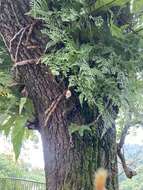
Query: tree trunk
[(72, 166), (70, 161)]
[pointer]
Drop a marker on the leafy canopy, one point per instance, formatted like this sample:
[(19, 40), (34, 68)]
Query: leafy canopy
[(99, 51)]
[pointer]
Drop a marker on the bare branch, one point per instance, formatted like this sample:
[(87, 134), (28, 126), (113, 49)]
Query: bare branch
[(126, 129), (25, 62), (123, 135), (14, 38), (19, 43), (53, 106), (128, 171)]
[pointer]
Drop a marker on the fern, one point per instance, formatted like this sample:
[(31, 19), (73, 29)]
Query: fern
[(98, 58)]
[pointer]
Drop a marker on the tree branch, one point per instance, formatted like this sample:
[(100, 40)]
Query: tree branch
[(126, 129), (128, 171), (123, 135)]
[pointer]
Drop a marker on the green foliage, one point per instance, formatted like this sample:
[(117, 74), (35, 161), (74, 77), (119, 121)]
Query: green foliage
[(22, 103), (99, 55), (17, 135), (14, 110), (80, 129), (9, 168), (137, 5)]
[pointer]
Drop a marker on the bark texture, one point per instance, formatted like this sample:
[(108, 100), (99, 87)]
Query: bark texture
[(70, 161)]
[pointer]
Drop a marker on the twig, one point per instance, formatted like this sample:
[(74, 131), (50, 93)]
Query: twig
[(137, 159), (95, 121), (53, 107), (4, 40), (32, 47), (19, 43), (25, 62), (7, 46), (14, 37), (128, 171), (123, 135), (41, 56)]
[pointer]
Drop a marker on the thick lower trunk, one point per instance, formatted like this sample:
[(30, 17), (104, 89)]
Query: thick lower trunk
[(70, 164)]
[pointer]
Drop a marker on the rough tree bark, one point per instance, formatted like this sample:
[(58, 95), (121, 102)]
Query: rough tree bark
[(70, 162)]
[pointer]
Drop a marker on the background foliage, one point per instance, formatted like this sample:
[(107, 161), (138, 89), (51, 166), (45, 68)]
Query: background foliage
[(9, 168)]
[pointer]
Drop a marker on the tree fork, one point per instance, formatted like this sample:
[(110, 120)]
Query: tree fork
[(70, 162)]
